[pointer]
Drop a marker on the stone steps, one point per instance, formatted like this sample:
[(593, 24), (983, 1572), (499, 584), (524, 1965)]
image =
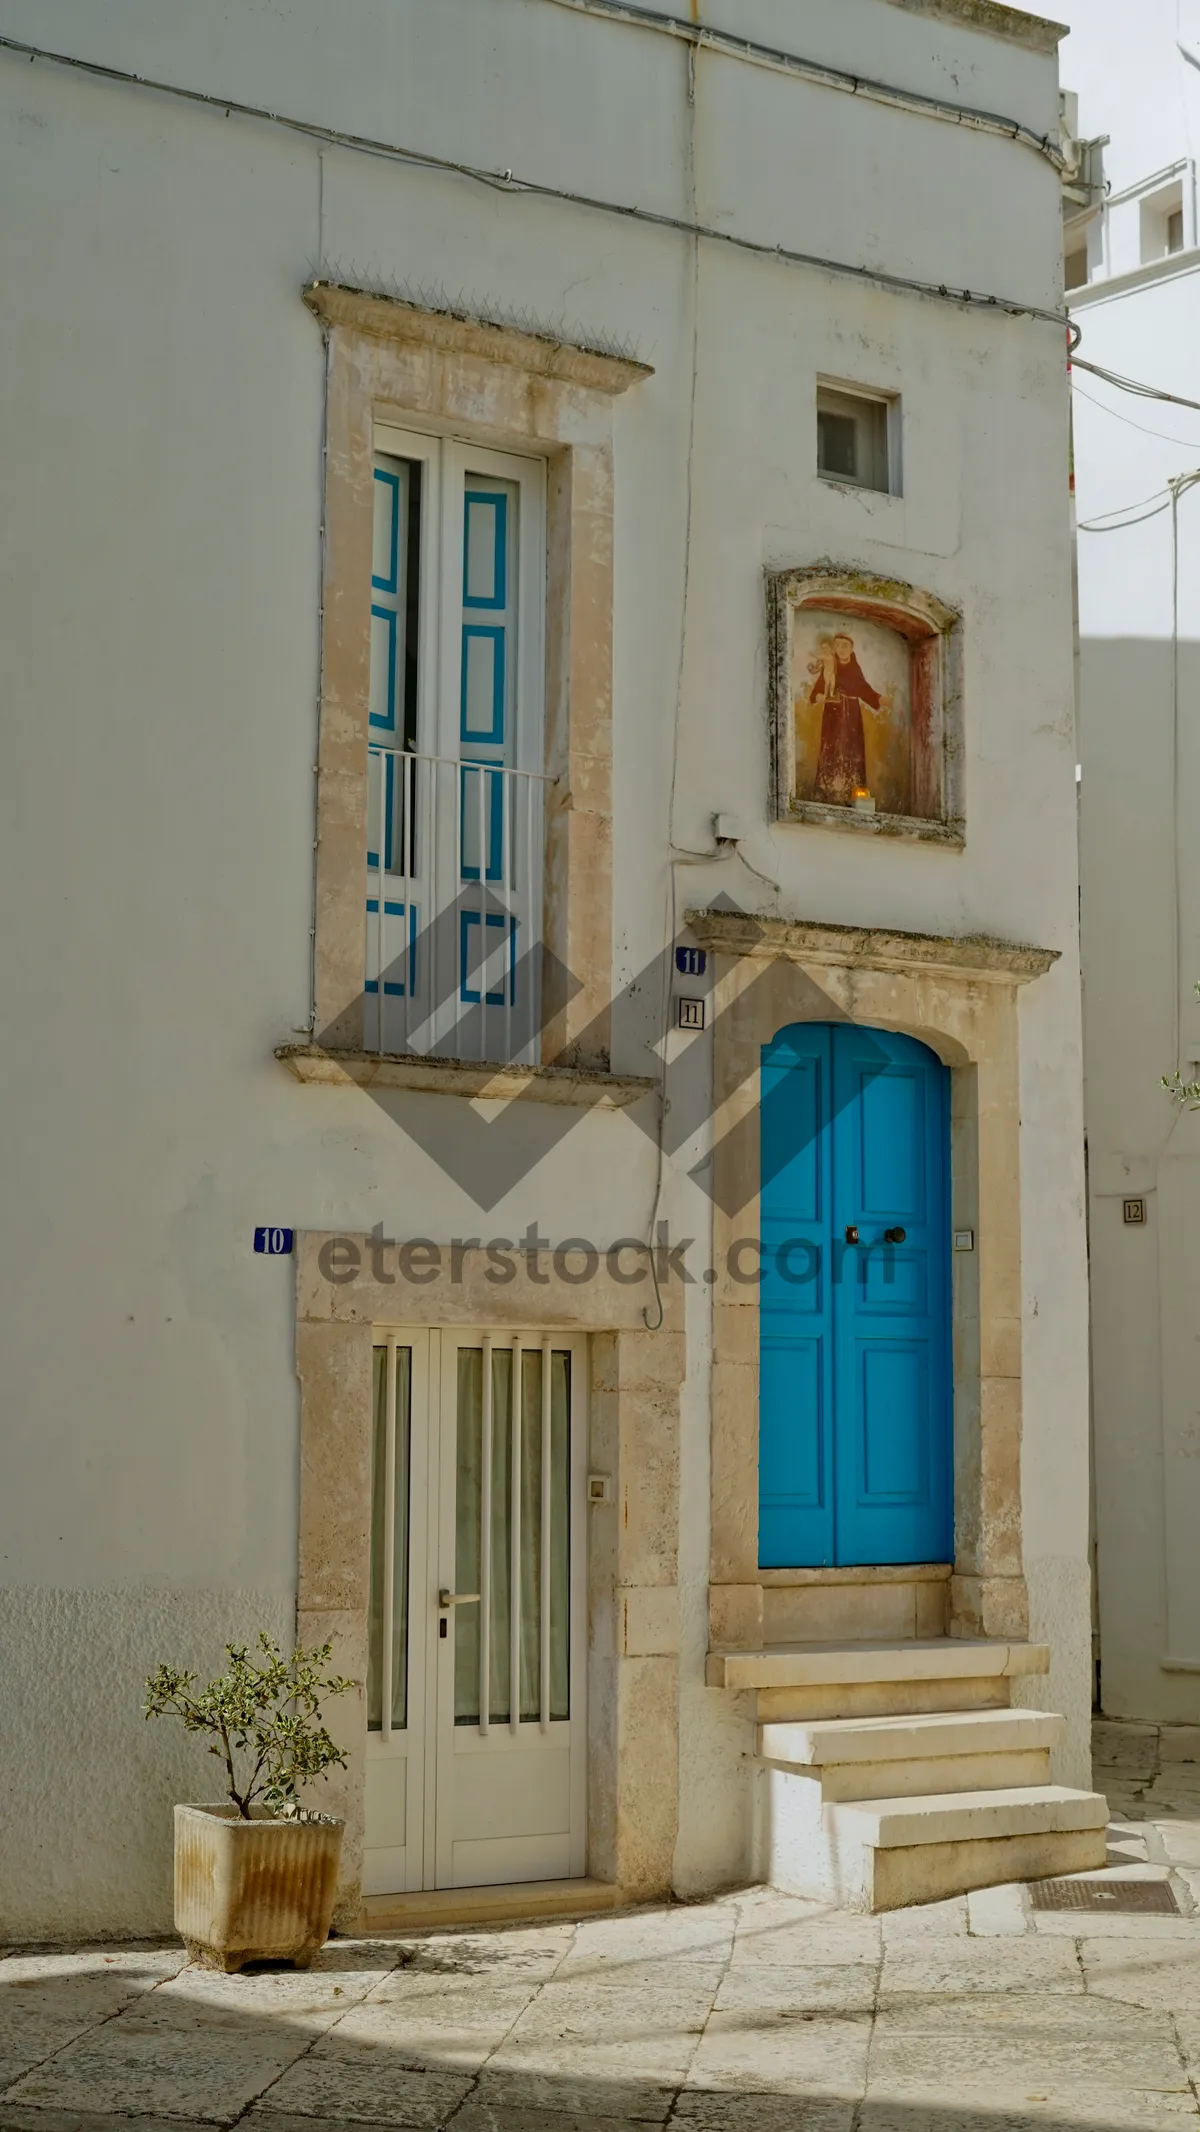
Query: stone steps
[(878, 1757), (931, 1674), (936, 1786), (956, 1817)]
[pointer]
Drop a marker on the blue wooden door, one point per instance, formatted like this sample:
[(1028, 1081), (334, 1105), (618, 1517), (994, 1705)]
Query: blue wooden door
[(855, 1370)]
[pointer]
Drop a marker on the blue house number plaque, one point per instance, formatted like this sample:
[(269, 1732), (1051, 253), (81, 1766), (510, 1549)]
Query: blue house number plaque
[(690, 962), (277, 1243)]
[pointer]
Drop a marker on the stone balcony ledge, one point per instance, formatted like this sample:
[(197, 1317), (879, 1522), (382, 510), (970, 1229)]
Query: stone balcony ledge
[(583, 1087)]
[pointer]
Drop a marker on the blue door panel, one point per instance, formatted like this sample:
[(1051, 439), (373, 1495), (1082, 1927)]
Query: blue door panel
[(855, 1383), (796, 1475), (890, 1140), (894, 1447), (796, 1324), (894, 1280)]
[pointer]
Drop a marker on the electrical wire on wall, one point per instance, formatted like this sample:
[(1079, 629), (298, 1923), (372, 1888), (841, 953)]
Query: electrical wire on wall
[(752, 52), (512, 184), (685, 595), (1133, 385)]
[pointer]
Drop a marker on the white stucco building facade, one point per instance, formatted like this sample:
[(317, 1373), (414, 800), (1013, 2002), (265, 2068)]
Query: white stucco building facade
[(1138, 85), (315, 258)]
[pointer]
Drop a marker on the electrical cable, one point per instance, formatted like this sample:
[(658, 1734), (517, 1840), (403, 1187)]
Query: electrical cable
[(507, 181), (1133, 385), (1119, 525), (747, 49), (1187, 443)]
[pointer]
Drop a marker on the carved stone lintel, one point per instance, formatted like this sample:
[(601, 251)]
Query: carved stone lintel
[(870, 947), (389, 318)]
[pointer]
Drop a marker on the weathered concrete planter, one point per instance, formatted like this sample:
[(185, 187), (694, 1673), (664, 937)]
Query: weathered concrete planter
[(253, 1891)]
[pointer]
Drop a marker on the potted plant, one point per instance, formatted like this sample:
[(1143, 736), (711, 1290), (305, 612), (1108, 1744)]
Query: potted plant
[(255, 1878)]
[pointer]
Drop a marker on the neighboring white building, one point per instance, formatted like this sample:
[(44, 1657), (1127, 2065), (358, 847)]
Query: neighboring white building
[(1136, 79), (393, 474)]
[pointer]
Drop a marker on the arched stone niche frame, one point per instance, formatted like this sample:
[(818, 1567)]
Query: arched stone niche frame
[(932, 634), (960, 997)]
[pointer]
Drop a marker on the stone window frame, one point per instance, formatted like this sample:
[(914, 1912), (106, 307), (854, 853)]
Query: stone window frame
[(634, 1392), (393, 362), (934, 633), (960, 997)]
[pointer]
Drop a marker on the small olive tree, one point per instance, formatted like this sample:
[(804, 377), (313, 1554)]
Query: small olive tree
[(264, 1720)]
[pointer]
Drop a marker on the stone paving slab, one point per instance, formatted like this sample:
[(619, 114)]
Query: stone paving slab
[(754, 2012), (518, 1951), (958, 1968), (148, 2068), (457, 2029), (820, 1941), (1164, 1976), (706, 2110), (998, 1912), (477, 2116), (1039, 2110), (372, 2088), (844, 1988), (15, 2118), (594, 2094), (784, 2052)]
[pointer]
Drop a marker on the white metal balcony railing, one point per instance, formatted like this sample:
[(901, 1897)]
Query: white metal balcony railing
[(454, 939)]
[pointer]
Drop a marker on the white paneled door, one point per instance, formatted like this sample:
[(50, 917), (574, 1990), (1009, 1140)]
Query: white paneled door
[(476, 1770)]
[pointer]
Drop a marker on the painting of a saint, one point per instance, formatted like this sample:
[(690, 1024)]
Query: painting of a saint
[(850, 693), (843, 692)]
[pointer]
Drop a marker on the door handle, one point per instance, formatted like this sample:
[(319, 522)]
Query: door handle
[(851, 1233), (446, 1598), (893, 1236)]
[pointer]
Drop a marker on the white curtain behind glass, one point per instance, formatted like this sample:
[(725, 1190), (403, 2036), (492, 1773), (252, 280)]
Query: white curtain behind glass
[(469, 1504)]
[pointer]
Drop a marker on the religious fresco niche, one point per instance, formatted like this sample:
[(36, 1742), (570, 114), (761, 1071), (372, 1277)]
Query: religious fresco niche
[(865, 705), (852, 712)]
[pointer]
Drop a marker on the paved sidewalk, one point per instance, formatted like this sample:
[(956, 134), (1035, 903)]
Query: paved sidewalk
[(751, 2013)]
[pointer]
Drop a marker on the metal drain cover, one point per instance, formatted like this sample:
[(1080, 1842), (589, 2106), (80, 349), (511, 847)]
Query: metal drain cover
[(1120, 1896)]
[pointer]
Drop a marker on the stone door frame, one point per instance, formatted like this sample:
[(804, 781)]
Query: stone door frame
[(960, 997), (348, 1285)]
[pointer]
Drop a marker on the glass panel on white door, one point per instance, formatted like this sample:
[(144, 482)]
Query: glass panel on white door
[(397, 1642), (521, 1556), (387, 1641)]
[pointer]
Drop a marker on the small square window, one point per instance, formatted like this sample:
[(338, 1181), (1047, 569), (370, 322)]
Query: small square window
[(1175, 230), (853, 439), (1075, 268)]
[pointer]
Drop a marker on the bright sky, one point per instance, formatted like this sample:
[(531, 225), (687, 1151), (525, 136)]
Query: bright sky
[(1124, 62)]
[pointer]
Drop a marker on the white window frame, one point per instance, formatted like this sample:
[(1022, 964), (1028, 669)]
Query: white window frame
[(839, 389)]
